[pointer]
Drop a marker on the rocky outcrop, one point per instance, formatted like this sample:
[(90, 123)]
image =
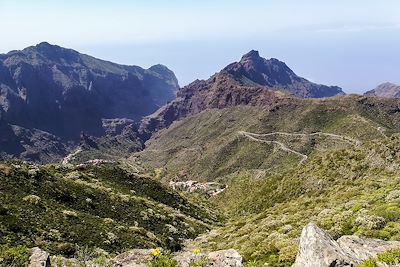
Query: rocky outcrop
[(225, 258), (133, 258), (318, 249), (385, 90), (39, 258), (273, 73), (29, 144), (221, 258), (141, 258), (364, 248)]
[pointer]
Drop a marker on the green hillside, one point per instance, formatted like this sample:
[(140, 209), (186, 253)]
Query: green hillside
[(331, 161), (347, 191), (58, 208), (209, 146), (335, 162)]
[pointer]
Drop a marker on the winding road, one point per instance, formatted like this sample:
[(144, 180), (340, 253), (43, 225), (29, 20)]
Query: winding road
[(255, 137)]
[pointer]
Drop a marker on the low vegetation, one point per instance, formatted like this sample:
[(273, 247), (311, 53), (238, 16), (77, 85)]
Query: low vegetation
[(105, 207), (346, 191), (13, 256), (390, 257), (346, 187)]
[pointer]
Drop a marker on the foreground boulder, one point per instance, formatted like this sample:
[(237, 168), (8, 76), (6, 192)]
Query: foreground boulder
[(318, 249), (364, 248), (39, 258), (132, 258), (224, 258), (220, 258), (141, 257)]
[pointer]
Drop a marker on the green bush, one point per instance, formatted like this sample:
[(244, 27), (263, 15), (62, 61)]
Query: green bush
[(199, 262), (162, 260), (391, 256), (368, 263), (14, 256)]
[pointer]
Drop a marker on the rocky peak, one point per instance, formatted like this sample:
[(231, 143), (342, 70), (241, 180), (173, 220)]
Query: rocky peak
[(253, 55), (386, 89), (251, 81), (46, 46), (252, 70)]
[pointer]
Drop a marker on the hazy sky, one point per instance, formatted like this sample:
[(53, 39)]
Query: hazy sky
[(351, 43)]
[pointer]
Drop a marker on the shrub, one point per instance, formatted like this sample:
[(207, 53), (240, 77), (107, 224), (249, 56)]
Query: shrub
[(32, 199), (14, 256), (198, 260), (391, 256), (368, 263), (159, 259)]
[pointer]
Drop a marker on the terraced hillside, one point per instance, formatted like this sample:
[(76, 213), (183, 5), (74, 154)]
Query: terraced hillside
[(58, 207)]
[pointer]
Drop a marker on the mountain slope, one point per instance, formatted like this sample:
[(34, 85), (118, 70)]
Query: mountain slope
[(331, 161), (385, 90), (62, 92), (252, 81), (347, 191), (58, 208), (209, 146)]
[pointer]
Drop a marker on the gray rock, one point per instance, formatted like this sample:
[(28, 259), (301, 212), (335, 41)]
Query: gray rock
[(140, 258), (385, 90), (132, 258), (39, 258), (318, 249), (185, 258), (363, 248), (221, 258), (225, 258)]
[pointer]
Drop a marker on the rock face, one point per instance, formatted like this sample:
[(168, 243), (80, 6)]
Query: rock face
[(140, 258), (253, 69), (39, 258), (132, 258), (225, 258), (251, 81), (385, 90), (61, 92), (318, 249), (363, 248)]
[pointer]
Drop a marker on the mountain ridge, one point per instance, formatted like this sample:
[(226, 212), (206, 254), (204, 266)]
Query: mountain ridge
[(276, 74), (251, 81), (386, 89), (59, 91)]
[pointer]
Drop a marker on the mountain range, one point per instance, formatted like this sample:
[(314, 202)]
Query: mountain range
[(51, 95), (243, 160), (251, 81)]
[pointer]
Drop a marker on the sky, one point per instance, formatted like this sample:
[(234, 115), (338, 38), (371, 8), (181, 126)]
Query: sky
[(354, 44)]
